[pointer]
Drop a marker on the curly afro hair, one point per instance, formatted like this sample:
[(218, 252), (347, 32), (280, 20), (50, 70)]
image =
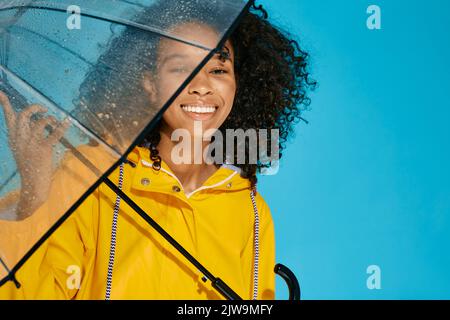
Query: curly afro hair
[(273, 81), (272, 74)]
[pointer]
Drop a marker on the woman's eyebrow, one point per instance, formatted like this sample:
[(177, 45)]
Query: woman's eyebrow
[(174, 56), (224, 55)]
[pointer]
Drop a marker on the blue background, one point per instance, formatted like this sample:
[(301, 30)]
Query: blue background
[(367, 181)]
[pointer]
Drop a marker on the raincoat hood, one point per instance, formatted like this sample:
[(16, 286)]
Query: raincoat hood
[(226, 179)]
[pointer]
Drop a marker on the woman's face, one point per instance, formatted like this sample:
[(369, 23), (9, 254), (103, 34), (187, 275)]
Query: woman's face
[(209, 97)]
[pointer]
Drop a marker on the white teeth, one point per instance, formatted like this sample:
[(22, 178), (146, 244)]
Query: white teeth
[(199, 109)]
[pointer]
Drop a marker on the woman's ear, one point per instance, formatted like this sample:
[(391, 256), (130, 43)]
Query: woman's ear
[(148, 83)]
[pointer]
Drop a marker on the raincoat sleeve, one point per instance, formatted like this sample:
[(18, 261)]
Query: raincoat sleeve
[(55, 270), (266, 277)]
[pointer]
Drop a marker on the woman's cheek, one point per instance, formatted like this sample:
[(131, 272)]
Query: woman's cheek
[(167, 85)]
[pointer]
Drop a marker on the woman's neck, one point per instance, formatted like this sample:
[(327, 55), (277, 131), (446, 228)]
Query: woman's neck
[(192, 176)]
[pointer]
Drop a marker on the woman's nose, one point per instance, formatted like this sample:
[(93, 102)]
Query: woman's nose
[(200, 85)]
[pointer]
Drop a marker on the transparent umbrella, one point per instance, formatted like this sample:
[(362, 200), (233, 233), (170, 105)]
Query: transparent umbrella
[(57, 62)]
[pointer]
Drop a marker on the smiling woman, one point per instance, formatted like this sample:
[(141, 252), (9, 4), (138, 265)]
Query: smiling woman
[(267, 67), (208, 97), (258, 80)]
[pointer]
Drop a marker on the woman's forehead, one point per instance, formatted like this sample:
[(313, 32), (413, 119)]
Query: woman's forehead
[(194, 32)]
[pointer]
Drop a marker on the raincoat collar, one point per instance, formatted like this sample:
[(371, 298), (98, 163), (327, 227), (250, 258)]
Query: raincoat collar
[(227, 178)]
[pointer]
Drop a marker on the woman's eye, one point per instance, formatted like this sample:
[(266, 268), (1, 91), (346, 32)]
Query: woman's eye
[(219, 71), (179, 70)]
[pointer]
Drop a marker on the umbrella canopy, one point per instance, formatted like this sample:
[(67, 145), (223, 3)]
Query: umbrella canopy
[(94, 66)]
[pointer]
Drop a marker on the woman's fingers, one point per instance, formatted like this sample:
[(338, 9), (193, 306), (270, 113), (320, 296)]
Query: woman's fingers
[(24, 121), (25, 115), (38, 127), (8, 110), (55, 129), (58, 131)]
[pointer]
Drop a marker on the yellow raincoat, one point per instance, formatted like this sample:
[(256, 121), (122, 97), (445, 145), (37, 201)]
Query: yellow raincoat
[(215, 223)]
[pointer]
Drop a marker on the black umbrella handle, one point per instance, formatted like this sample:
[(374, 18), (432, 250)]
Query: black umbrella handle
[(291, 281)]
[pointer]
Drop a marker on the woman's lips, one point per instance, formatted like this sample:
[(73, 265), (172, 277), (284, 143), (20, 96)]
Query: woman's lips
[(199, 112)]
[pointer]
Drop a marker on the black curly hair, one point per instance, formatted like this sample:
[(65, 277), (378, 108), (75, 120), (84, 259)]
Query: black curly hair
[(272, 75)]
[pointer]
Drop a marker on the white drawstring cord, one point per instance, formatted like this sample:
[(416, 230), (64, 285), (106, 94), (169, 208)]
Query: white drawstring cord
[(255, 247), (112, 249)]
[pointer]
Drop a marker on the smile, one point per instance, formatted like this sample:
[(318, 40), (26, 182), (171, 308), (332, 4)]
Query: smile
[(202, 109)]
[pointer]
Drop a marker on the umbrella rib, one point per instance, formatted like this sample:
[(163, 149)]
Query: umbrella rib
[(7, 181), (75, 54), (19, 13), (134, 4), (10, 275), (4, 265), (53, 42), (95, 15)]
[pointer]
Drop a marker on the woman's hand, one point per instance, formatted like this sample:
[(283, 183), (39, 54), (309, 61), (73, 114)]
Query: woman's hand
[(31, 142)]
